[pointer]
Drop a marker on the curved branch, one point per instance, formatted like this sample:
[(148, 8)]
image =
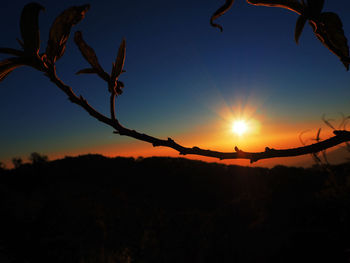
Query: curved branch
[(222, 10), (340, 136), (292, 5)]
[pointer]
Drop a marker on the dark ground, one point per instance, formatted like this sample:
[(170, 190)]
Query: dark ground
[(97, 209)]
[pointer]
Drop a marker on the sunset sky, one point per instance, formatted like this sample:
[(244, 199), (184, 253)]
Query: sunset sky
[(184, 80)]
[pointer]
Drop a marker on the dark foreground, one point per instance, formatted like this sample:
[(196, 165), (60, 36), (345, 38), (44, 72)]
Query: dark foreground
[(95, 209)]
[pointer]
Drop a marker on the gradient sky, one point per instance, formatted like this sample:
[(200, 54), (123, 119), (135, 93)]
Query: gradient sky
[(184, 80)]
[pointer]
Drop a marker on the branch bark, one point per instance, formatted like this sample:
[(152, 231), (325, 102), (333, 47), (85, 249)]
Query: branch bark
[(46, 64), (341, 136), (292, 5)]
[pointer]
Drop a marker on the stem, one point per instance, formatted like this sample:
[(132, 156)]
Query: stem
[(340, 136), (112, 104), (291, 5)]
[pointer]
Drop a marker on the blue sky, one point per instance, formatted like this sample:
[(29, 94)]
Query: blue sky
[(179, 71)]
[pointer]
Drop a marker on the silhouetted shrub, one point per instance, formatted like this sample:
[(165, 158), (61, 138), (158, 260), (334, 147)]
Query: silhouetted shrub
[(37, 158), (17, 162), (94, 209)]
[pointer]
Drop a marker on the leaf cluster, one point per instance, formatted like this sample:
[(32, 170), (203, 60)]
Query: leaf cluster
[(327, 26), (114, 85), (30, 54)]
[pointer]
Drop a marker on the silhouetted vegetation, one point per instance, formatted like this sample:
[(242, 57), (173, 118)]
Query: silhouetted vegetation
[(37, 158), (2, 166), (327, 26), (17, 162), (97, 209)]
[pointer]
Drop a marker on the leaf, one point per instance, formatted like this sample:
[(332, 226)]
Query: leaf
[(90, 55), (11, 51), (315, 8), (20, 42), (316, 158), (29, 25), (8, 65), (327, 122), (87, 71), (222, 10), (329, 30), (299, 27), (117, 68), (60, 31)]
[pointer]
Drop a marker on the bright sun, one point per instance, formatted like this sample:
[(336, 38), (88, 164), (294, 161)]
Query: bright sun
[(239, 127)]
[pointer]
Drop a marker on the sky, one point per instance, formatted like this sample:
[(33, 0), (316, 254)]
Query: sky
[(184, 79)]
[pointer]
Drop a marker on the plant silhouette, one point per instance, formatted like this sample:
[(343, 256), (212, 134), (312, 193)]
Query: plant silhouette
[(17, 162), (37, 158), (173, 210), (327, 27)]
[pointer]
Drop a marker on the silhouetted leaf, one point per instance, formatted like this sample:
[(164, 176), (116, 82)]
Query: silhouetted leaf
[(301, 138), (315, 7), (222, 10), (119, 62), (8, 65), (327, 122), (11, 51), (87, 71), (29, 24), (329, 30), (60, 31), (90, 55), (20, 42), (299, 27), (316, 158)]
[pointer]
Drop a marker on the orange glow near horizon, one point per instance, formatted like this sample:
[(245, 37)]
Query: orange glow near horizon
[(218, 135)]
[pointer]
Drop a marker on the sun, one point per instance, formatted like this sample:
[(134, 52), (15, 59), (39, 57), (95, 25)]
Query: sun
[(239, 127)]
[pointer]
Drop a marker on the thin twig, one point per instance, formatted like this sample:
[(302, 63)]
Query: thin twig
[(340, 136), (112, 105), (292, 5)]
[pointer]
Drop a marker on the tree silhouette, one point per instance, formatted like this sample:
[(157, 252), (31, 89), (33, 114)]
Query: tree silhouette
[(2, 166), (37, 158), (17, 162), (326, 26)]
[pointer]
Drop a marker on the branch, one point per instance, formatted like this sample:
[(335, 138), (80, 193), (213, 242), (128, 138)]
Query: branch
[(112, 105), (340, 136), (59, 33), (292, 5)]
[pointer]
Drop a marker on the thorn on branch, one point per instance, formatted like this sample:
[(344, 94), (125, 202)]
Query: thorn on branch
[(82, 99), (171, 141), (238, 150), (267, 149), (156, 144)]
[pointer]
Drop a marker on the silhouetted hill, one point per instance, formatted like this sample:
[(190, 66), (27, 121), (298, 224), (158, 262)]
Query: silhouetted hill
[(97, 209)]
